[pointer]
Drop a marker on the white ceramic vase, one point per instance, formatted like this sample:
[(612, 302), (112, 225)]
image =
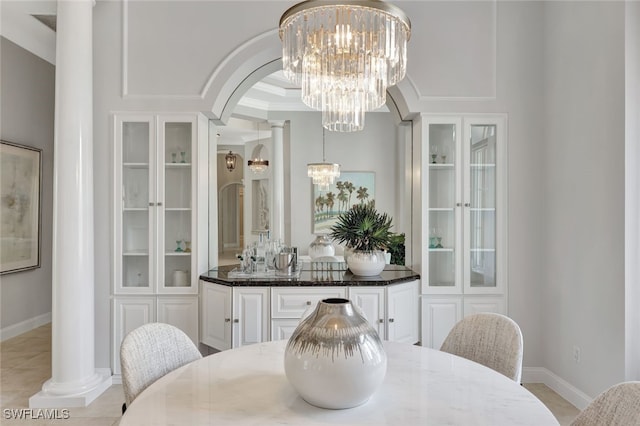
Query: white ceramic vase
[(366, 263), (335, 358)]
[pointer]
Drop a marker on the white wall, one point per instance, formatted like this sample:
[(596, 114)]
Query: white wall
[(28, 86), (583, 177), (632, 190)]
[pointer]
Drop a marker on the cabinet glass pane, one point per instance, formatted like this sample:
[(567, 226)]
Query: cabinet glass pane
[(177, 144), (442, 196), (135, 204), (177, 258), (482, 215), (135, 143)]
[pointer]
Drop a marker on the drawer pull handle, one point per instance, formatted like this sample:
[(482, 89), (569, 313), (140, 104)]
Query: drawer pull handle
[(391, 319)]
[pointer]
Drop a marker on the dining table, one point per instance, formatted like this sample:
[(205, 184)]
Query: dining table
[(422, 386)]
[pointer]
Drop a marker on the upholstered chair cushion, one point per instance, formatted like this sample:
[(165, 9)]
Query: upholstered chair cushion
[(489, 339), (617, 406)]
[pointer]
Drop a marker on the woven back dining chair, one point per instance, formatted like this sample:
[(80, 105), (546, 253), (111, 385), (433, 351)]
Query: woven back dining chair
[(151, 351), (617, 406), (492, 340)]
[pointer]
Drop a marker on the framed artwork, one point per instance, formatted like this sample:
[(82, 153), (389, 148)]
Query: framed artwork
[(349, 189), (260, 205), (20, 187)]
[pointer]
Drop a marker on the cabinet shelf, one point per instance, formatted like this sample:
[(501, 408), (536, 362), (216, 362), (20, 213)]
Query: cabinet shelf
[(482, 165), (444, 249), (441, 209), (136, 253), (177, 165), (483, 209), (135, 209), (441, 166), (136, 165), (178, 253), (486, 250), (177, 209)]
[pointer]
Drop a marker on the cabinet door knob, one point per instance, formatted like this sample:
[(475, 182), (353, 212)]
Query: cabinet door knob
[(159, 204), (151, 204), (458, 204), (308, 302), (236, 320), (391, 320), (381, 320), (227, 320), (467, 204)]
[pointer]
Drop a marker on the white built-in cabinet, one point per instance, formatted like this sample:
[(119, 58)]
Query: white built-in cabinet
[(159, 174), (236, 316), (460, 245)]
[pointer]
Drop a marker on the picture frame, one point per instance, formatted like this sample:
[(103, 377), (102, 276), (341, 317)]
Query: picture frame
[(327, 205), (20, 207)]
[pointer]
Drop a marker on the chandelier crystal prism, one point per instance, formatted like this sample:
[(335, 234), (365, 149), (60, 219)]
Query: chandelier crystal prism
[(344, 55)]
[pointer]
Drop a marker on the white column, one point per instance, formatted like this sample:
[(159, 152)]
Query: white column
[(74, 381), (277, 136)]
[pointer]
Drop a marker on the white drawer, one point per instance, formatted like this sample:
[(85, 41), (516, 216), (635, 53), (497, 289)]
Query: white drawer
[(287, 302)]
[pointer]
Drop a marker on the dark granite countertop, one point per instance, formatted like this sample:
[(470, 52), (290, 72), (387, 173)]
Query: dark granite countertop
[(340, 276)]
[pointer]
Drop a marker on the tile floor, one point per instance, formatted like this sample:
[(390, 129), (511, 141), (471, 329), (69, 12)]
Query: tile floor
[(25, 363)]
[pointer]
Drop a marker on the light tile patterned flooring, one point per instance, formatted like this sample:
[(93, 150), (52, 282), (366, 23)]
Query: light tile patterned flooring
[(25, 363)]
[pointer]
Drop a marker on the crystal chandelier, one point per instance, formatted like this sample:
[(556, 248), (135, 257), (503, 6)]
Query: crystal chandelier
[(344, 55), (258, 165), (230, 159), (323, 174)]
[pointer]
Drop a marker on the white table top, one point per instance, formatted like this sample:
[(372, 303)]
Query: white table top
[(247, 386)]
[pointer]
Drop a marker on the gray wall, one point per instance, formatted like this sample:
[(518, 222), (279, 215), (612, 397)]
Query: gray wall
[(27, 103), (583, 178)]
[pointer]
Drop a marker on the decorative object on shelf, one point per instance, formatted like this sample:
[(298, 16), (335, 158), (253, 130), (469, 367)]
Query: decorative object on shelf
[(353, 187), (174, 157), (323, 174), (335, 358), (344, 55), (20, 207), (321, 246), (178, 246), (367, 233), (257, 164), (183, 157), (434, 154), (187, 246), (230, 160), (180, 278)]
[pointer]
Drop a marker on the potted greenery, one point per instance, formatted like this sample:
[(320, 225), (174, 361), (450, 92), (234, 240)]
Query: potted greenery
[(366, 233)]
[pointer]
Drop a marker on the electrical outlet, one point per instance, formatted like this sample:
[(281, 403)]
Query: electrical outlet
[(576, 354)]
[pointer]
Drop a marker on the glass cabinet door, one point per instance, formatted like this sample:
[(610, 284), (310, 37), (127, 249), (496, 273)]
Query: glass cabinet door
[(176, 180), (480, 214), (136, 239), (443, 182)]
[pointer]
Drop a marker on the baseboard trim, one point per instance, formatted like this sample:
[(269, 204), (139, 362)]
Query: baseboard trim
[(116, 379), (563, 388), (24, 326)]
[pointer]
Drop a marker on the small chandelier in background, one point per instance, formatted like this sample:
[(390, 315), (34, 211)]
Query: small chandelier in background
[(231, 159), (323, 174), (258, 165), (344, 55)]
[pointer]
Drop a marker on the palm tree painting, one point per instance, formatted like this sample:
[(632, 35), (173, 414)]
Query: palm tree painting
[(349, 189)]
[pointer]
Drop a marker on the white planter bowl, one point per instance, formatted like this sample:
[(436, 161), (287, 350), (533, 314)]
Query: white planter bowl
[(366, 264)]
